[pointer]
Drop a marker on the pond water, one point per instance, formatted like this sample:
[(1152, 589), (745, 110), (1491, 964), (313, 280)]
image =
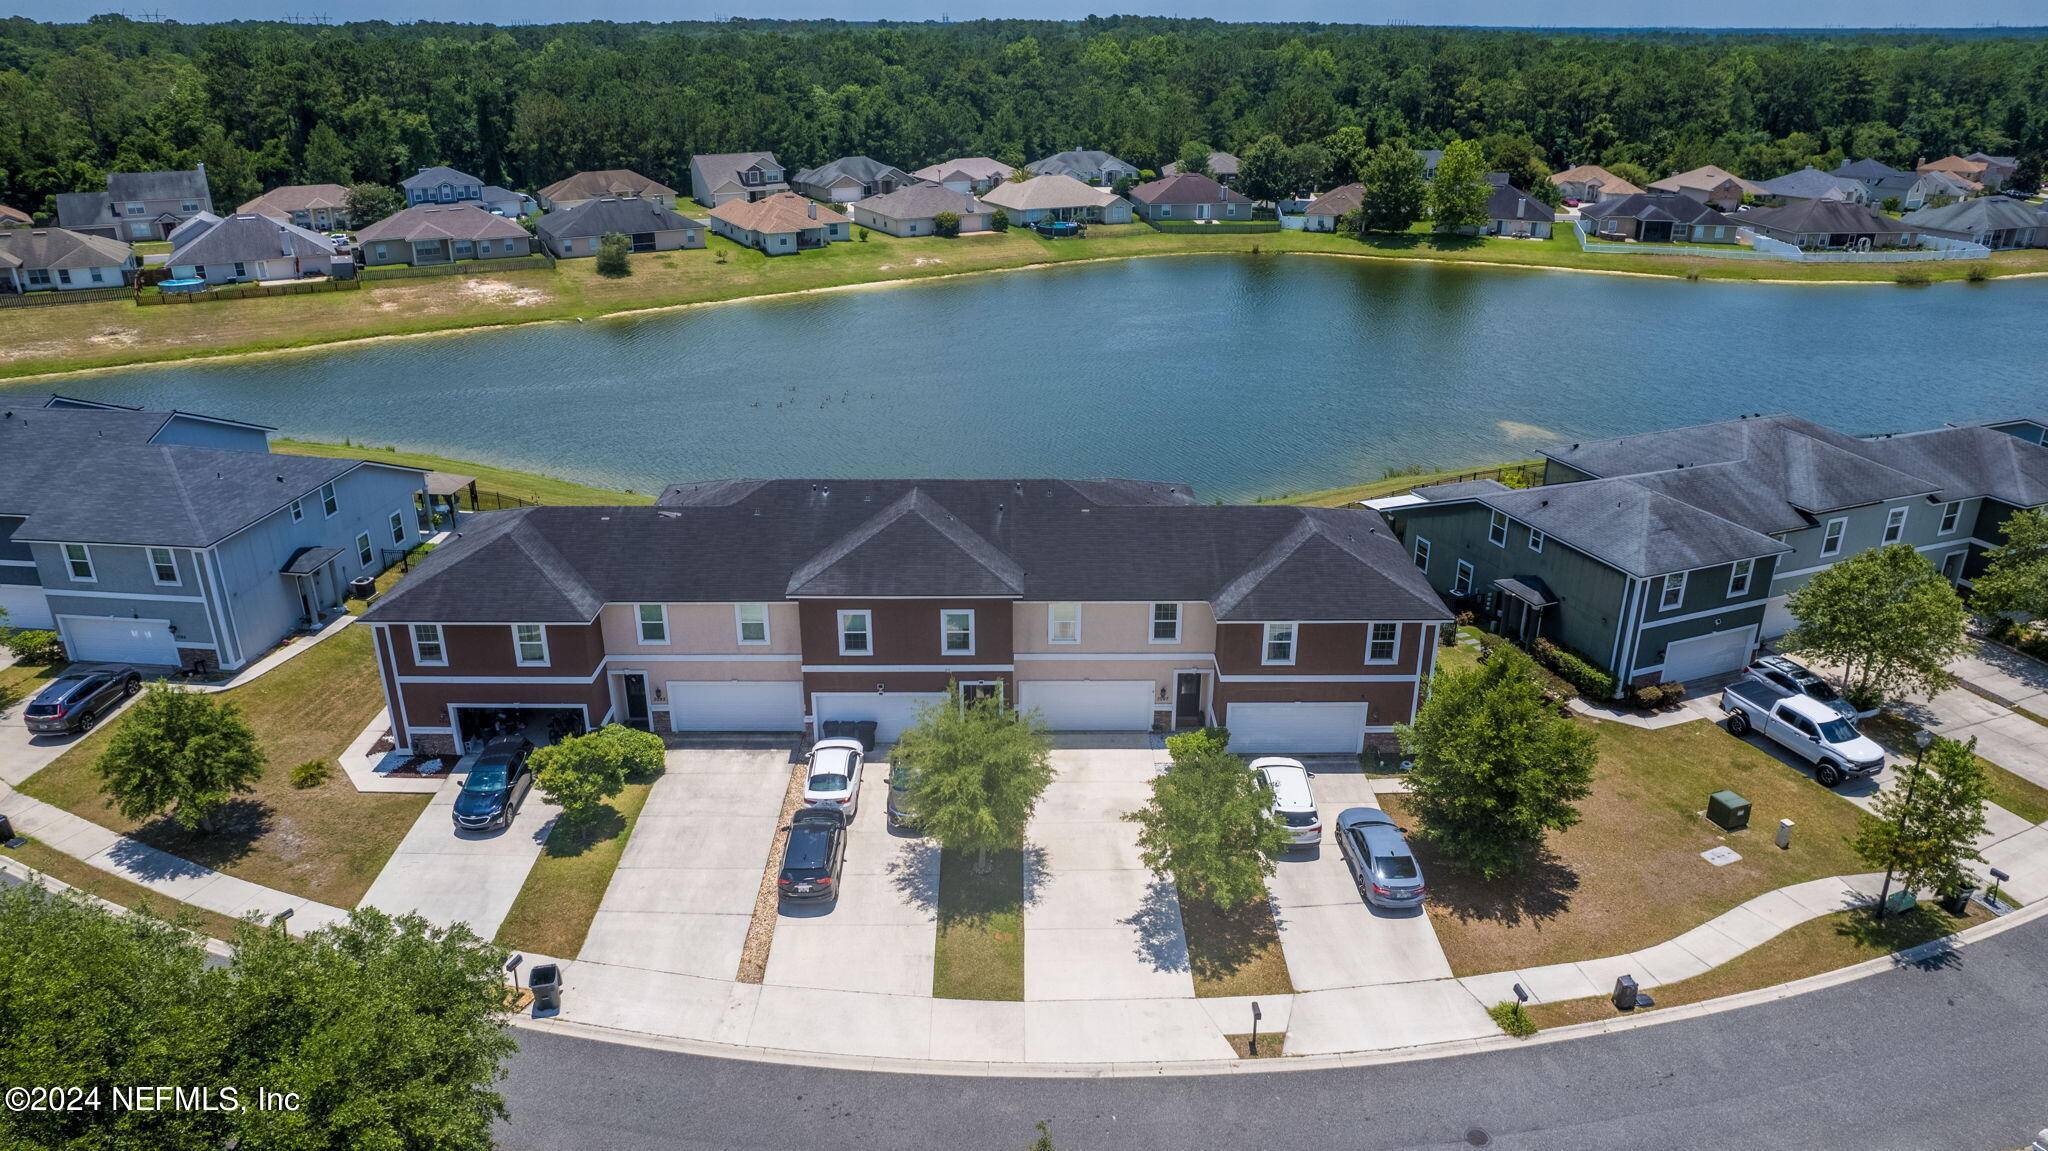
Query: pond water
[(1243, 375)]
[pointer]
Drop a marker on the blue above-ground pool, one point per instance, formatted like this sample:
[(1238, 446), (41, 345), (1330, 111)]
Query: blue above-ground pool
[(1057, 229), (181, 286)]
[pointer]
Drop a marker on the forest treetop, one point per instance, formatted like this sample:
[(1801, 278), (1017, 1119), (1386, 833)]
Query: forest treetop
[(265, 104)]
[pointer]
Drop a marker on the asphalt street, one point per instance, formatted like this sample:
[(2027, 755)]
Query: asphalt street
[(1949, 1057)]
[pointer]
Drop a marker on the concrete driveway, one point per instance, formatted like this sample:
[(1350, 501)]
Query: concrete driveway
[(2005, 737), (881, 932), (1334, 938), (683, 894), (1097, 925), (23, 753), (450, 876)]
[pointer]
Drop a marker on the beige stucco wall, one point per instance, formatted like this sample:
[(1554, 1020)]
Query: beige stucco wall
[(698, 629), (1118, 628)]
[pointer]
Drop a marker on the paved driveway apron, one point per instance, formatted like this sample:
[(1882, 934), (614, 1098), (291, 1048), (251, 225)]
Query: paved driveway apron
[(880, 934), (1097, 925), (451, 876), (684, 891), (1332, 936)]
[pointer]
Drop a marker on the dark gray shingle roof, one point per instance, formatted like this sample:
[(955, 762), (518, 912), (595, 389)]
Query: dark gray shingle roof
[(1971, 462), (248, 237), (624, 215), (1638, 530)]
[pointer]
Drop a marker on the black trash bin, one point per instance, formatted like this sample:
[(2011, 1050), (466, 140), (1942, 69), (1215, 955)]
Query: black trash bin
[(1625, 993), (546, 984), (1958, 902), (6, 830), (840, 729), (865, 732), (361, 587)]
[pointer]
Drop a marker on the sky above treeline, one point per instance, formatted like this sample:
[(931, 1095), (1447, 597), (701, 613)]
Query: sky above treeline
[(1805, 14)]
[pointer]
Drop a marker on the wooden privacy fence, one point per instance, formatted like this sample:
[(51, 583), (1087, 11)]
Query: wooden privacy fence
[(67, 296)]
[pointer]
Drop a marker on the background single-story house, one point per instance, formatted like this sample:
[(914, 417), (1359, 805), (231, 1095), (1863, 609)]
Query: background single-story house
[(1659, 218), (1832, 224), (1977, 172), (321, 207), (1717, 186), (1222, 165), (245, 247), (911, 211), (647, 226), (780, 224), (137, 205), (1084, 164), (848, 179), (722, 177), (1513, 212), (969, 174), (1810, 183), (1993, 221), (1189, 197), (1059, 197), (1590, 182), (1327, 209), (442, 234), (586, 186), (58, 259)]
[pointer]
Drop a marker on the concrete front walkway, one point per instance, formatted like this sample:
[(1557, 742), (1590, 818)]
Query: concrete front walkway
[(683, 895), (1097, 925), (450, 876), (2005, 737)]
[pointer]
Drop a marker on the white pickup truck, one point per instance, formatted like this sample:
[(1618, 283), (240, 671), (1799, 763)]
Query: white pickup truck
[(1806, 727)]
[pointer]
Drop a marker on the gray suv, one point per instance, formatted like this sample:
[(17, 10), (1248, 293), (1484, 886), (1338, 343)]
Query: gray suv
[(76, 700)]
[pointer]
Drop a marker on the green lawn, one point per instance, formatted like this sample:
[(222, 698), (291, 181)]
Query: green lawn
[(522, 486), (1630, 874), (568, 881), (1396, 485), (1828, 943), (80, 336), (114, 889), (2017, 794), (21, 681), (980, 946), (327, 842)]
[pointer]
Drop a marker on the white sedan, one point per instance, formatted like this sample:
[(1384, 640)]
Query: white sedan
[(832, 779)]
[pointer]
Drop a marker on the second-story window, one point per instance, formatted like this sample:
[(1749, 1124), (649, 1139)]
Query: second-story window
[(298, 510), (363, 553), (426, 644), (1497, 529), (163, 566), (1951, 516), (1422, 553), (398, 527), (1063, 623), (653, 622), (1739, 577), (856, 633), (753, 623), (1279, 645), (1895, 525), (1382, 642), (956, 632), (1165, 623), (1535, 540), (1674, 592), (328, 502), (1831, 538), (78, 561), (530, 644)]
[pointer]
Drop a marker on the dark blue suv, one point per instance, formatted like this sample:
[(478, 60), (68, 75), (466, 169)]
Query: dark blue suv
[(497, 784)]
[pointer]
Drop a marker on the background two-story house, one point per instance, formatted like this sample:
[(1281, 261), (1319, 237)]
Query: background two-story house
[(137, 205), (782, 605), (725, 177), (168, 538), (445, 185)]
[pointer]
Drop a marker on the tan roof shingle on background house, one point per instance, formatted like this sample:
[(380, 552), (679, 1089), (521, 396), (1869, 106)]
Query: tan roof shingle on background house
[(1337, 201), (965, 168), (1610, 184), (280, 203), (13, 216), (610, 182), (782, 212), (466, 221), (1705, 178), (1187, 189), (1049, 192)]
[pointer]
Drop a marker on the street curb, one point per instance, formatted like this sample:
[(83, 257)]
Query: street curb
[(1193, 1068)]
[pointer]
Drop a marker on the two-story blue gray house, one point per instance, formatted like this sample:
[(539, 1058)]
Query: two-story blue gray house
[(445, 185), (174, 539), (1672, 555)]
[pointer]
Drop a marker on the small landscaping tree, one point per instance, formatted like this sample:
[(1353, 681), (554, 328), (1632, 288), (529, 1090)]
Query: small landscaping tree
[(1264, 169), (614, 256), (1887, 618), (999, 221), (2026, 173), (2015, 576), (1926, 830), (946, 224), (1457, 197), (1496, 765), (1210, 827), (35, 646), (180, 752), (1193, 159), (580, 773), (1394, 191), (368, 203), (977, 770)]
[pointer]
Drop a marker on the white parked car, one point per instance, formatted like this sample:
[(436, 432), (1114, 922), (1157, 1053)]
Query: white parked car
[(832, 778), (1294, 801)]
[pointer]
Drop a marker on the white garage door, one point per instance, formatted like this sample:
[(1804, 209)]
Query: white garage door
[(1090, 705), (1778, 619), (736, 706), (1690, 659), (892, 712), (99, 639), (1306, 728), (25, 606)]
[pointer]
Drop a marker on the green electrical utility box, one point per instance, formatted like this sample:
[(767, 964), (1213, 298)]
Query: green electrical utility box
[(1728, 811)]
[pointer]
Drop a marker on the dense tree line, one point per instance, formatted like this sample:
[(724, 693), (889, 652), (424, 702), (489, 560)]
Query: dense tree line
[(264, 104)]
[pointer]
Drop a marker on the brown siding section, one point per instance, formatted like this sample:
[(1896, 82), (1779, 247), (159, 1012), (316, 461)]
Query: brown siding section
[(486, 650), (907, 632), (387, 672), (1319, 649)]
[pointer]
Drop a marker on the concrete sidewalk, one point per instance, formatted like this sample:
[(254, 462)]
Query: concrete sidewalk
[(450, 876)]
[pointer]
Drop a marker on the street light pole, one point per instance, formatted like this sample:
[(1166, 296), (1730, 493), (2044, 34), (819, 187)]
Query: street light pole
[(1921, 739)]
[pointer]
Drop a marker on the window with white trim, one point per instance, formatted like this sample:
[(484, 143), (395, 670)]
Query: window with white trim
[(328, 502), (1535, 540), (1951, 516), (1382, 642), (1831, 537), (398, 527), (1673, 593), (78, 561), (1739, 577), (530, 644), (1497, 529), (856, 633), (364, 554), (1165, 623), (426, 645), (1422, 553), (752, 622), (1462, 584), (298, 510), (163, 566), (651, 621), (1895, 525), (1279, 644), (1063, 623), (956, 631)]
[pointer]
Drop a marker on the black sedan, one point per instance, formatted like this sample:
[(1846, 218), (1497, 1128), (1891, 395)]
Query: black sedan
[(76, 700), (497, 784), (811, 862)]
